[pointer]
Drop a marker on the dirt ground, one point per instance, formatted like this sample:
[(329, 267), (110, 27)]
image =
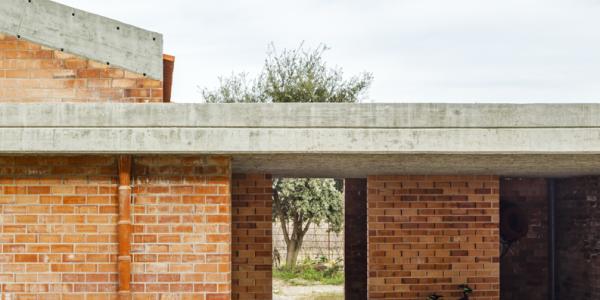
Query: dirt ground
[(283, 291)]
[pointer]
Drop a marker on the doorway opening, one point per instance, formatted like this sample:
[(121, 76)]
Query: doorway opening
[(308, 238)]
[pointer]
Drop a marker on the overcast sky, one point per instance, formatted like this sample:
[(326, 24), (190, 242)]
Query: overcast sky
[(418, 50)]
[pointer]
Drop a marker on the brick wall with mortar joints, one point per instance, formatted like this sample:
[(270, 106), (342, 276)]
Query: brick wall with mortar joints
[(182, 228), (58, 227), (252, 236), (33, 73), (59, 217), (524, 268), (430, 234), (578, 237)]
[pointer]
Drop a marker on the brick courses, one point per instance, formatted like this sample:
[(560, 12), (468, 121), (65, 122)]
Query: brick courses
[(182, 228), (432, 233), (252, 236), (33, 73), (59, 221), (578, 237), (58, 233), (524, 268)]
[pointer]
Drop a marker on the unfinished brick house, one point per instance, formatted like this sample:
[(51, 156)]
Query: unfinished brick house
[(107, 192)]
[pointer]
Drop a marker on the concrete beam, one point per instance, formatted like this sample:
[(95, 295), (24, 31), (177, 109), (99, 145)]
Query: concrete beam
[(300, 128), (294, 140), (359, 165), (340, 140), (302, 115), (92, 36)]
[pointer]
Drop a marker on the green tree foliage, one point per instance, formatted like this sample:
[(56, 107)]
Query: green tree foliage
[(300, 202), (298, 75)]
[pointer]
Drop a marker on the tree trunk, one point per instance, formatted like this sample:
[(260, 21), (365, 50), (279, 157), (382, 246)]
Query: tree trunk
[(293, 249)]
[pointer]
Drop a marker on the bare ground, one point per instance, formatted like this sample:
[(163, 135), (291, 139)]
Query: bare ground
[(284, 291)]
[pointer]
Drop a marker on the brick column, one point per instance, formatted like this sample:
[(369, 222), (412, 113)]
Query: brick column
[(252, 236), (578, 237), (524, 269), (355, 239), (429, 234)]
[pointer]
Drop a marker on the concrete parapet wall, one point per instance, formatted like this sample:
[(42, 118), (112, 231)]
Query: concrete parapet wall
[(92, 36)]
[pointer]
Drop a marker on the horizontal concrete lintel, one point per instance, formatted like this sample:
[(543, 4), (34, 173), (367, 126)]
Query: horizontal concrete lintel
[(360, 166), (301, 141), (301, 115)]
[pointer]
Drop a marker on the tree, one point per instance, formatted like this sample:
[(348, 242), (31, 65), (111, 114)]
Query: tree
[(299, 75), (300, 202)]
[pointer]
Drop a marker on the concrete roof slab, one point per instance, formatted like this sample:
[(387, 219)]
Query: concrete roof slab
[(323, 139)]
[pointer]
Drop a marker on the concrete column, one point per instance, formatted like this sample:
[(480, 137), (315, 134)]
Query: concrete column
[(355, 237)]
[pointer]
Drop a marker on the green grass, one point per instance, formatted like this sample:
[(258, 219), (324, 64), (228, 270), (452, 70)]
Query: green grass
[(308, 274)]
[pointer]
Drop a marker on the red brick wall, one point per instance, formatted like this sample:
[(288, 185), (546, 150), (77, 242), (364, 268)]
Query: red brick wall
[(578, 237), (32, 73), (432, 233), (58, 233), (524, 268), (58, 227), (252, 236), (182, 228)]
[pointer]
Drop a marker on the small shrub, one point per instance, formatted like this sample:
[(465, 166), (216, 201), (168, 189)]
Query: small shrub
[(320, 271)]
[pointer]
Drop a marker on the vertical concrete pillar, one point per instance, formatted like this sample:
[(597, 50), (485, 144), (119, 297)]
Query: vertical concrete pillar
[(355, 238)]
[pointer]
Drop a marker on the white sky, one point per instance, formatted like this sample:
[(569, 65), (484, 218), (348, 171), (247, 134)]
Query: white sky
[(418, 50)]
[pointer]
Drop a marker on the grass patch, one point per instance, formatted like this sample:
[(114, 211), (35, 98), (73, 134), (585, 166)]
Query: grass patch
[(310, 272)]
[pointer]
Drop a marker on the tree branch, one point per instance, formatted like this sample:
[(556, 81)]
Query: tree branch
[(286, 235), (305, 230)]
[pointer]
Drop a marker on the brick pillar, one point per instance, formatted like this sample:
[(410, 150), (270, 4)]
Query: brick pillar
[(429, 234), (252, 236), (355, 237), (524, 268), (578, 237)]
